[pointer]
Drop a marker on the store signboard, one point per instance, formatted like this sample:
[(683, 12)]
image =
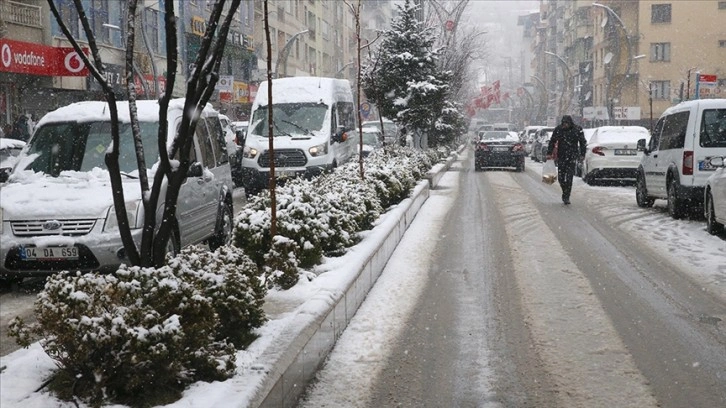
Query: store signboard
[(37, 59), (626, 112)]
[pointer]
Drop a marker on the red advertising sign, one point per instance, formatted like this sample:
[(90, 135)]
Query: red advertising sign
[(708, 78), (38, 59), (253, 92)]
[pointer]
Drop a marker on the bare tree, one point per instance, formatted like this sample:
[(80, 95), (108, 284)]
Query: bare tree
[(200, 86), (270, 124), (355, 9)]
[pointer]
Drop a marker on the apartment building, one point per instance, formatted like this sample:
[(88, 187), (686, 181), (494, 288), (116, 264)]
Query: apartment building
[(628, 60), (40, 72)]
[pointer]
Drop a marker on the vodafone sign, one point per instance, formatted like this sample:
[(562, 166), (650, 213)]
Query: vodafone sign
[(38, 59)]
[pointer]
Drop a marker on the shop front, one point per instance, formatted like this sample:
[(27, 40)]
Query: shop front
[(36, 78)]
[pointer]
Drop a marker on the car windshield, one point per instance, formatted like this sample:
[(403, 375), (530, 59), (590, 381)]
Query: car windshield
[(494, 135), (713, 128), (74, 146), (290, 119), (370, 138)]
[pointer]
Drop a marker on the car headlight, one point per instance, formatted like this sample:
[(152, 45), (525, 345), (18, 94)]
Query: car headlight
[(319, 150), (134, 212), (249, 152)]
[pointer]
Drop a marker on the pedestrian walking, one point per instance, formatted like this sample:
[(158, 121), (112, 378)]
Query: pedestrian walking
[(571, 146)]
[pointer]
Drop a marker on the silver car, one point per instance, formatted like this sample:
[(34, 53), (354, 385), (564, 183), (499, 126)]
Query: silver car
[(57, 208)]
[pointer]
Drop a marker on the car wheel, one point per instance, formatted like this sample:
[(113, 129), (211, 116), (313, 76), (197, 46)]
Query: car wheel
[(712, 226), (641, 193), (223, 231), (675, 204), (173, 246)]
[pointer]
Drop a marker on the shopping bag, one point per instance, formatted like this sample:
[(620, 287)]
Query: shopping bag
[(549, 172)]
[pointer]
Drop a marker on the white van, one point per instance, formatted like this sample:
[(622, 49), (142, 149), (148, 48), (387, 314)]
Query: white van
[(676, 162), (311, 118), (56, 209)]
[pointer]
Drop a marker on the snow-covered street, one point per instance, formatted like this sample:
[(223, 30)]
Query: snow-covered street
[(579, 340)]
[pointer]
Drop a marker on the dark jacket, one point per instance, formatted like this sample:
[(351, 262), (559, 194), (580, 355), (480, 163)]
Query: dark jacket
[(571, 143)]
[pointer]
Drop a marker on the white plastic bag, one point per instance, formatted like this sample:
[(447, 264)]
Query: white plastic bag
[(549, 172)]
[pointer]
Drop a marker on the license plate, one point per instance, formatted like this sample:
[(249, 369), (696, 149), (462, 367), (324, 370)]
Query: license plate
[(625, 152), (705, 165), (285, 173), (48, 253), (501, 149)]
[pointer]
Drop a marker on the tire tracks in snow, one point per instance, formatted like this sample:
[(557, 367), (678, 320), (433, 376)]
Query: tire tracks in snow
[(588, 363)]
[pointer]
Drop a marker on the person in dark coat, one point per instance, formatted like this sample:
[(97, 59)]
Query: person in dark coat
[(571, 146)]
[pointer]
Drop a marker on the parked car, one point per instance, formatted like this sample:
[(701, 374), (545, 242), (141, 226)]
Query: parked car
[(234, 150), (498, 148), (372, 140), (9, 151), (612, 153), (527, 137), (714, 199), (676, 161), (390, 130), (588, 134), (56, 210), (539, 146)]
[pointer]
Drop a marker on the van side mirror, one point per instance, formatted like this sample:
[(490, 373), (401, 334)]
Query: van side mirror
[(641, 146), (195, 170), (5, 174), (340, 135)]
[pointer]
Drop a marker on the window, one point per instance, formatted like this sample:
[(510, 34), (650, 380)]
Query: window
[(661, 89), (205, 145), (722, 5), (220, 144), (674, 131), (99, 16), (722, 43), (152, 28), (660, 13), (660, 52), (69, 15), (713, 128)]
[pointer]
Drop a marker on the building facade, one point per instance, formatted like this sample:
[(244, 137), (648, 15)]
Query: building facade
[(625, 61)]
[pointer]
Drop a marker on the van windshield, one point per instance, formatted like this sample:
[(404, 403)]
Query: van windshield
[(290, 119), (57, 147), (713, 128)]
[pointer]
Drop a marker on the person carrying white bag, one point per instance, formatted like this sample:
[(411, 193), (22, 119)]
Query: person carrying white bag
[(571, 146)]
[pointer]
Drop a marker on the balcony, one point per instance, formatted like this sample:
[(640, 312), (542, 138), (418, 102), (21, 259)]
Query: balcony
[(20, 14)]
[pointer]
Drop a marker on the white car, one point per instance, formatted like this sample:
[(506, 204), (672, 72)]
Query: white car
[(9, 150), (612, 153), (57, 211), (390, 129), (714, 199)]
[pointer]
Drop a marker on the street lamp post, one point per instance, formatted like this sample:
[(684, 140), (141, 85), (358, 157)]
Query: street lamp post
[(543, 97), (566, 92), (284, 53), (628, 66)]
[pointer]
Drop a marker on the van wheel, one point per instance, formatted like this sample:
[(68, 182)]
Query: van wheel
[(712, 226), (223, 231), (641, 193), (675, 204)]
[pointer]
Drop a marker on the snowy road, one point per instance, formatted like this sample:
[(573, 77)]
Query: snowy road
[(526, 302)]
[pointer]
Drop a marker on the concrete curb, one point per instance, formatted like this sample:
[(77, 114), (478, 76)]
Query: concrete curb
[(303, 352)]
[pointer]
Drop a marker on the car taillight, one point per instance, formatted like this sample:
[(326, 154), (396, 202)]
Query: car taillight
[(518, 147), (687, 163), (598, 150), (483, 147)]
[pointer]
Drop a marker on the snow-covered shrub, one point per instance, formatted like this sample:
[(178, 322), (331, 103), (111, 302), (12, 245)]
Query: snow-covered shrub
[(232, 282), (143, 334), (323, 216), (281, 263)]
